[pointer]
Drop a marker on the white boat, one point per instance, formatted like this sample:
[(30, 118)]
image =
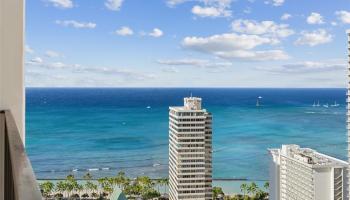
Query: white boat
[(314, 105), (318, 104), (257, 101), (148, 107), (335, 104), (326, 105)]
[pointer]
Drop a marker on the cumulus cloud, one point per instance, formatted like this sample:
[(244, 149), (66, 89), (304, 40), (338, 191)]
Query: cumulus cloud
[(156, 33), (307, 67), (234, 46), (170, 70), (268, 28), (286, 16), (124, 31), (315, 18), (210, 12), (62, 3), (52, 54), (76, 24), (313, 38), (343, 16), (209, 8), (114, 4)]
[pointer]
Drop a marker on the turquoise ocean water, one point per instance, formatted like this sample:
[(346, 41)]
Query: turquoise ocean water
[(104, 130)]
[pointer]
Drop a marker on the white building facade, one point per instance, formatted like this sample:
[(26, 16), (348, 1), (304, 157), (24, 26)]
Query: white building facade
[(348, 116), (302, 173), (190, 151)]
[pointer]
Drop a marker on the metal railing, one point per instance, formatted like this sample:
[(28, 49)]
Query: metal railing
[(19, 179)]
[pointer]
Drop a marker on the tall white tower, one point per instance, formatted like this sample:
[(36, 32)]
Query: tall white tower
[(190, 151)]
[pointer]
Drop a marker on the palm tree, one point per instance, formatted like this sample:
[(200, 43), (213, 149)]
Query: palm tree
[(61, 187), (244, 188), (252, 188), (266, 186), (46, 188)]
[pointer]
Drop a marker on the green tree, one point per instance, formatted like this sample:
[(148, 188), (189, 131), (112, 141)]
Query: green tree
[(266, 186), (244, 189), (217, 191), (61, 187), (252, 188), (46, 188)]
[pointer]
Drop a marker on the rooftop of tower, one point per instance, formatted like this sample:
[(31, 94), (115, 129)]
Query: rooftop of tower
[(309, 156), (193, 104)]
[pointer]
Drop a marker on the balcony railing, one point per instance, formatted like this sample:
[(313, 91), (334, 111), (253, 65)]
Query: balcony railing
[(18, 178)]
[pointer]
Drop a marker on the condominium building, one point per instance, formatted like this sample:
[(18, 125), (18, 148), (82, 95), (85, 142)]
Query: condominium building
[(190, 151), (302, 173)]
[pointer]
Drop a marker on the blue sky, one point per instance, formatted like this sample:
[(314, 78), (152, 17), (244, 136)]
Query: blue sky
[(186, 43)]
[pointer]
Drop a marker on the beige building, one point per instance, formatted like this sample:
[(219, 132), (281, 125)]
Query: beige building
[(302, 173), (190, 151)]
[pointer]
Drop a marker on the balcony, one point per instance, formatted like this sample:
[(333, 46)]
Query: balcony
[(18, 180)]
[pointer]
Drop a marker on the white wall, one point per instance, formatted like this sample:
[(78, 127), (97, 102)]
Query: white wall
[(274, 176), (11, 59), (324, 179)]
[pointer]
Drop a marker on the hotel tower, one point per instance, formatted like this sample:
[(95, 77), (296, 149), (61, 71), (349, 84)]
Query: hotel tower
[(190, 151), (348, 116), (305, 174)]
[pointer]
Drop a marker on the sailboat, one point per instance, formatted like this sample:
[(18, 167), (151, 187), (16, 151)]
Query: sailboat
[(314, 105), (335, 104), (318, 104), (326, 105), (257, 101)]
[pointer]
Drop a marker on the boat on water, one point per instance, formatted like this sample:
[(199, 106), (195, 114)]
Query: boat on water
[(335, 104), (318, 104), (148, 107), (257, 101), (314, 105), (326, 105)]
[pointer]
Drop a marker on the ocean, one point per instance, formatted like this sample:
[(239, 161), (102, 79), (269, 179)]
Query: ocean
[(105, 130)]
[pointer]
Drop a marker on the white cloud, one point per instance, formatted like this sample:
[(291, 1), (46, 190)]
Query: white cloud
[(62, 3), (195, 63), (343, 16), (76, 24), (334, 23), (234, 46), (36, 60), (170, 70), (275, 2), (313, 38), (315, 18), (114, 4), (286, 16), (52, 54), (262, 28), (156, 32), (268, 55), (209, 8), (307, 67), (210, 12), (124, 31), (28, 49)]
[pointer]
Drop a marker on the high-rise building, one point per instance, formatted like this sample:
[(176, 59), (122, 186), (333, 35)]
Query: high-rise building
[(190, 151), (302, 173)]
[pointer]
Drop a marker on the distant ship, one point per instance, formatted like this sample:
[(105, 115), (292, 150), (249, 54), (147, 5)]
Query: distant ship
[(148, 107), (314, 105), (335, 104), (326, 105), (258, 102)]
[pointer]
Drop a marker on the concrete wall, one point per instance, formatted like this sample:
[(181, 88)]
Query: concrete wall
[(11, 59), (324, 179)]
